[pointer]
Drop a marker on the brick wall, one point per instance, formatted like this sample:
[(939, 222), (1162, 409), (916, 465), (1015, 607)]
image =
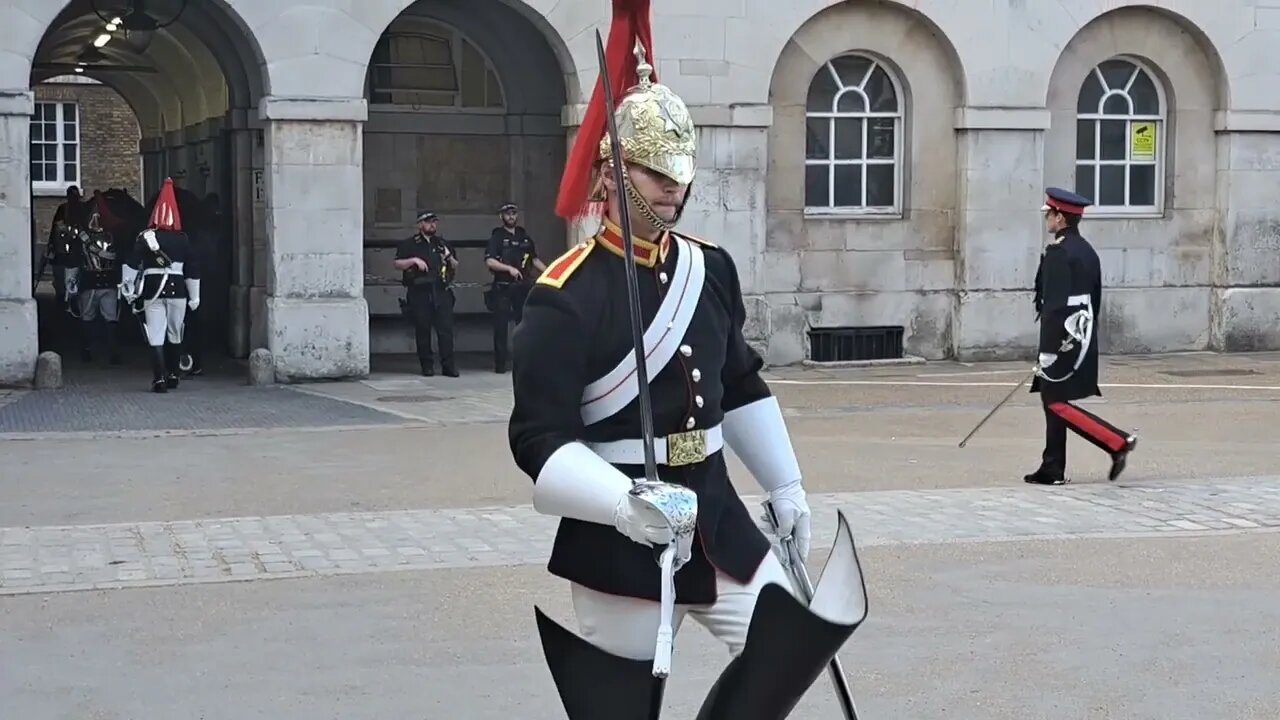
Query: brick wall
[(109, 136)]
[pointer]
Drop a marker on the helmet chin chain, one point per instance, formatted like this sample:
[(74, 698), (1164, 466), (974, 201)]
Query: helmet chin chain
[(640, 205)]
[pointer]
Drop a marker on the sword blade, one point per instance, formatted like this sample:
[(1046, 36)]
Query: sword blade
[(633, 283), (662, 660)]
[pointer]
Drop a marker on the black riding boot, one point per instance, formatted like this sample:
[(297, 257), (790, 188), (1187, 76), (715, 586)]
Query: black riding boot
[(158, 383), (113, 342), (172, 354)]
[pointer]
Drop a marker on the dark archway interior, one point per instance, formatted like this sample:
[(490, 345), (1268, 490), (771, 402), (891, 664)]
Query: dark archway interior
[(191, 85), (464, 99)]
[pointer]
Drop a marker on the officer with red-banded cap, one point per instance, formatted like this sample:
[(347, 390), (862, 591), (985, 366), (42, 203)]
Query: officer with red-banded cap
[(1068, 298)]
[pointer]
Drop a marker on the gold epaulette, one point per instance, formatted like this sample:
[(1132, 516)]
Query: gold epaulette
[(698, 240), (562, 267)]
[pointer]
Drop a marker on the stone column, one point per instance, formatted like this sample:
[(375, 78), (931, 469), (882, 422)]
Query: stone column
[(247, 207), (1246, 273), (317, 317), (19, 341), (154, 165), (999, 231)]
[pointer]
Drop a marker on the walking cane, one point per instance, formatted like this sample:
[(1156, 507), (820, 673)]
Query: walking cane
[(999, 405), (795, 566)]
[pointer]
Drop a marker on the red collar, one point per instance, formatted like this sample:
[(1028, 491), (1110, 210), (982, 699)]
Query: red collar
[(648, 254)]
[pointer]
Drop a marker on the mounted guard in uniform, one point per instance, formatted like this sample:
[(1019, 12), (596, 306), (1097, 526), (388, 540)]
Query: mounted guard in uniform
[(161, 279), (1068, 299), (582, 411), (93, 285)]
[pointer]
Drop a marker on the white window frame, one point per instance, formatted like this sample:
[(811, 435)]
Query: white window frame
[(1160, 119), (59, 186), (863, 211)]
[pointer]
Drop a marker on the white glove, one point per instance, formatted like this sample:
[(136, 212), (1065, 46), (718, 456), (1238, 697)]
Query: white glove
[(128, 278), (149, 237), (193, 293), (1047, 359), (641, 522), (792, 510)]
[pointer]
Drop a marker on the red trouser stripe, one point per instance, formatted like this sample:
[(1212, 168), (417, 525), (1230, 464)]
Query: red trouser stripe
[(1089, 425)]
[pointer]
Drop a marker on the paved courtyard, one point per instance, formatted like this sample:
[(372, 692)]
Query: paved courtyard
[(366, 549)]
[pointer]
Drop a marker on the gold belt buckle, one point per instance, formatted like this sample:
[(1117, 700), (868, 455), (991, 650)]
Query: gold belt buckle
[(686, 448)]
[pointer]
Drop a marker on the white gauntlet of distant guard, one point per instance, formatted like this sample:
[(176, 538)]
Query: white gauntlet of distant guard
[(193, 293), (128, 283), (758, 435)]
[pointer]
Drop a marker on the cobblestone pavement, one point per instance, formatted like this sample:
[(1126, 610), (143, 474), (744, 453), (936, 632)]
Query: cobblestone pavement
[(191, 407), (48, 559)]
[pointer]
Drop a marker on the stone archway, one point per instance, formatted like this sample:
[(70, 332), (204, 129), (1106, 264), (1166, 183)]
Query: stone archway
[(194, 88), (482, 128)]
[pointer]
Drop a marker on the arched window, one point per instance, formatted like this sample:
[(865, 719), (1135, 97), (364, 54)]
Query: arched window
[(421, 62), (853, 144), (1120, 138)]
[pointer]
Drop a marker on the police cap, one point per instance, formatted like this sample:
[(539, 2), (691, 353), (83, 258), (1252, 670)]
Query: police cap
[(509, 206), (426, 216), (1065, 201)]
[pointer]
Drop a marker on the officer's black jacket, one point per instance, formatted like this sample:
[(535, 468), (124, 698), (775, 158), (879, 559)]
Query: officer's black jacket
[(439, 274), (514, 248), (176, 247), (573, 335), (1068, 268)]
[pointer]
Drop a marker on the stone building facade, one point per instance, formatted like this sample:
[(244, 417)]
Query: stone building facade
[(98, 134), (869, 163)]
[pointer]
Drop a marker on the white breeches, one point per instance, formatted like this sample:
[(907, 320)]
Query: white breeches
[(628, 627), (104, 303), (165, 318)]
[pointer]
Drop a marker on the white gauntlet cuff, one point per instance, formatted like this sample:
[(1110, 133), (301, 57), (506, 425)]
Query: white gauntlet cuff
[(758, 435), (577, 483)]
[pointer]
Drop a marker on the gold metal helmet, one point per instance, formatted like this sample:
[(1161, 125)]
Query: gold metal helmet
[(654, 127)]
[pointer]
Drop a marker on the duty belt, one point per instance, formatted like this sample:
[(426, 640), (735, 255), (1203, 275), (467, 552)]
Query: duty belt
[(685, 448)]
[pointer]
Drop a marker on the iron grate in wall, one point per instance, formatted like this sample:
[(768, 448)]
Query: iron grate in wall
[(843, 344)]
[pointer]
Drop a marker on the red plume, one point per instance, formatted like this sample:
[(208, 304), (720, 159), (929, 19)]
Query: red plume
[(165, 214), (631, 22)]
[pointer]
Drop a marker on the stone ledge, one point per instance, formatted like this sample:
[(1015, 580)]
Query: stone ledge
[(753, 116), (996, 118), (17, 102), (313, 109), (1267, 121)]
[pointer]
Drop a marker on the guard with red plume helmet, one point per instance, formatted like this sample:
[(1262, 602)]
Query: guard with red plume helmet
[(161, 280), (580, 427)]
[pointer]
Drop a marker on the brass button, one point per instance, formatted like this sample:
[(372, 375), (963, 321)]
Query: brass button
[(685, 350), (696, 374), (662, 278), (697, 399), (689, 425)]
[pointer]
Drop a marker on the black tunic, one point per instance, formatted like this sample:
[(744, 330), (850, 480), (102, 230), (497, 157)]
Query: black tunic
[(177, 248), (574, 335), (510, 247), (1069, 267)]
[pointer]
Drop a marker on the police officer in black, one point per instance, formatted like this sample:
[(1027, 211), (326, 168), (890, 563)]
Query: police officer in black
[(428, 265), (509, 256), (1068, 301)]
